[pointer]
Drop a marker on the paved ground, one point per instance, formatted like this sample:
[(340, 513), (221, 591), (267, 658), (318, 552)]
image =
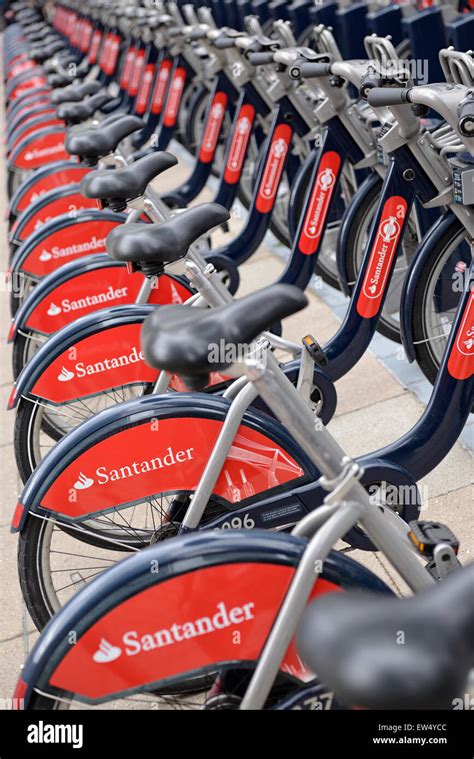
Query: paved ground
[(374, 409)]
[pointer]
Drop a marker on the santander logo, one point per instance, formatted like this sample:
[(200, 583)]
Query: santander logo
[(30, 155), (83, 482), (102, 475), (53, 309), (213, 127), (133, 643), (389, 230), (460, 362), (217, 110), (127, 70), (106, 364), (212, 133), (381, 257), (272, 170), (326, 179), (68, 305), (65, 375), (469, 343), (243, 126), (71, 250), (106, 652), (178, 83), (239, 144), (160, 87), (145, 88), (325, 182), (174, 99), (319, 202), (279, 148), (240, 140)]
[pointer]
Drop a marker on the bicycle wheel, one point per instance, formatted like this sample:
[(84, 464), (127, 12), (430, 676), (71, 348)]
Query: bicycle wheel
[(24, 348), (243, 577), (182, 131), (141, 495), (438, 290), (56, 559), (208, 693), (39, 425)]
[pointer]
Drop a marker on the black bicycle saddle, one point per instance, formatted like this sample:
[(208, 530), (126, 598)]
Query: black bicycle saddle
[(75, 113), (91, 144), (42, 53), (64, 58), (37, 32), (390, 653), (178, 338), (75, 92), (58, 81), (129, 182), (151, 244)]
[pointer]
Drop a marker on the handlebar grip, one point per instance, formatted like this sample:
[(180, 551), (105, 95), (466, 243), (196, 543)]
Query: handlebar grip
[(260, 59), (380, 96), (196, 34), (466, 116), (309, 70), (369, 82), (224, 43)]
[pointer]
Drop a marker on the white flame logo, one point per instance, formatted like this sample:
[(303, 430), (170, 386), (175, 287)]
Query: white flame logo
[(83, 482), (53, 309), (65, 375), (106, 652)]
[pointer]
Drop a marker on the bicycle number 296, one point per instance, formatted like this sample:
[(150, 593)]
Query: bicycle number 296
[(236, 523)]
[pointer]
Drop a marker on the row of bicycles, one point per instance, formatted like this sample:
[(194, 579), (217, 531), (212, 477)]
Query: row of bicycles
[(184, 502)]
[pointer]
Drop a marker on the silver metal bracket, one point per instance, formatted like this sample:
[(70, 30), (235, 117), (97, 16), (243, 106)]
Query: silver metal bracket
[(339, 486), (444, 198), (304, 383), (445, 559)]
